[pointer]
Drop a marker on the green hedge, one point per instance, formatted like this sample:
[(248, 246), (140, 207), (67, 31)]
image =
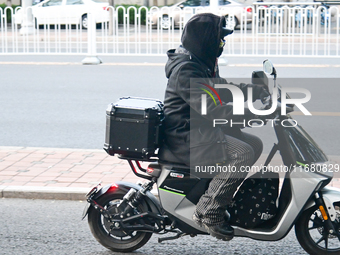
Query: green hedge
[(9, 15), (132, 14), (120, 13)]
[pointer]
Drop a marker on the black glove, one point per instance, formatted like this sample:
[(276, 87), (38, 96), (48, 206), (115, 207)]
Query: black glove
[(259, 91)]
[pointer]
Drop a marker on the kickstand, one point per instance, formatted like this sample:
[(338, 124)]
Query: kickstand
[(178, 235)]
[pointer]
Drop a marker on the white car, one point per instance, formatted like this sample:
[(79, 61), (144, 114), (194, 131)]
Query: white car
[(66, 12), (231, 9)]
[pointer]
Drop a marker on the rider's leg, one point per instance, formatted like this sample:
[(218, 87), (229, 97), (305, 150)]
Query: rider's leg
[(211, 206), (255, 143)]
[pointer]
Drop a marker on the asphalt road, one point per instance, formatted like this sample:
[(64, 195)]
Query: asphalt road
[(54, 101), (55, 228), (63, 105)]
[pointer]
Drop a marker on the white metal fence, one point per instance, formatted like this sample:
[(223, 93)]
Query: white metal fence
[(260, 30)]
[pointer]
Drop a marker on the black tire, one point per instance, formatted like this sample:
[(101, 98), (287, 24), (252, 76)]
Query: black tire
[(311, 230), (115, 240), (84, 21)]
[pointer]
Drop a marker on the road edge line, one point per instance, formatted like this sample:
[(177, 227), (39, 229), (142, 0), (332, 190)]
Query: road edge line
[(50, 193)]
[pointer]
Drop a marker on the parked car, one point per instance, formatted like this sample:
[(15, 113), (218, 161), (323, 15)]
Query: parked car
[(231, 9), (66, 12)]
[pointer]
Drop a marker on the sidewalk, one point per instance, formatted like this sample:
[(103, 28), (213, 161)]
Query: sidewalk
[(53, 173)]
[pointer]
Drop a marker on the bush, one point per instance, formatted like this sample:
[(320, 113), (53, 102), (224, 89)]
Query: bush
[(131, 14), (9, 14), (120, 13)]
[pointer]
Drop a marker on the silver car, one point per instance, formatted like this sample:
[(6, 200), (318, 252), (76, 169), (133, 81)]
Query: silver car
[(178, 14), (50, 12)]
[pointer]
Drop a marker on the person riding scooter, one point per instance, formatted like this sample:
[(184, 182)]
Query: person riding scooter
[(202, 44)]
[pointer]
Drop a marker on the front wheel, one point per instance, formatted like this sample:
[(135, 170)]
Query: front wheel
[(107, 234), (313, 234)]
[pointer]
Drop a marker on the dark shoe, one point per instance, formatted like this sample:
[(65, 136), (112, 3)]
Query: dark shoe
[(223, 231)]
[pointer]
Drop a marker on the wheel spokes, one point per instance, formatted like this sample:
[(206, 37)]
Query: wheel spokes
[(325, 238), (320, 240), (313, 227), (338, 235), (317, 220), (326, 241)]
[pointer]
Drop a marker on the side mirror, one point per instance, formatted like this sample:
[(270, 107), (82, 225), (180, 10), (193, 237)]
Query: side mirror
[(181, 6), (268, 67)]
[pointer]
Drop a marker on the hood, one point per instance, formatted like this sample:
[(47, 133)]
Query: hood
[(201, 36), (174, 58)]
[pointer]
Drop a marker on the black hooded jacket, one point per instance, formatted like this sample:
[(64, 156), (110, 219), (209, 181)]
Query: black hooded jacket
[(202, 144)]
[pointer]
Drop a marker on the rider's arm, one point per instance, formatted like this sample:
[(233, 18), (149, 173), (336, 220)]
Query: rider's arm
[(259, 91)]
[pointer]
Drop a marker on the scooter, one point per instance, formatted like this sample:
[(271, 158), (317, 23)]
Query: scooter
[(123, 216)]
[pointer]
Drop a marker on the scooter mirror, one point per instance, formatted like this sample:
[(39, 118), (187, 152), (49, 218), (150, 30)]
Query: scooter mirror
[(268, 67)]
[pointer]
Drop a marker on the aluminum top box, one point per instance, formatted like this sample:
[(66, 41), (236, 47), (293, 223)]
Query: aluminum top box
[(133, 127)]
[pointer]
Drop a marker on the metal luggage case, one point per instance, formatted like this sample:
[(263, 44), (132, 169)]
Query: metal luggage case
[(133, 127)]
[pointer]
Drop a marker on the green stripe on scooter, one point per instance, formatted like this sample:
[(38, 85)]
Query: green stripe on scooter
[(301, 164), (172, 192)]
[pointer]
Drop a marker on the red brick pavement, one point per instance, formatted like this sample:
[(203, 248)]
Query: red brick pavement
[(53, 167), (77, 168)]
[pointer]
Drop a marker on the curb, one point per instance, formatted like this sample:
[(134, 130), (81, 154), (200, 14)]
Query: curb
[(34, 192), (51, 193)]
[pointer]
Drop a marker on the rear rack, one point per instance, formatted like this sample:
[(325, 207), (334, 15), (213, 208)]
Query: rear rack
[(133, 162)]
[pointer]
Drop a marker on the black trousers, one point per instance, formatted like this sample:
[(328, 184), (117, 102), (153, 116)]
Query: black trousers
[(242, 151)]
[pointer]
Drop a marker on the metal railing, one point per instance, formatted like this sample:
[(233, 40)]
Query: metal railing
[(261, 29)]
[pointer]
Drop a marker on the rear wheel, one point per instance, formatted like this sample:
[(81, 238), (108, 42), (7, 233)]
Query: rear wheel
[(109, 235), (313, 234)]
